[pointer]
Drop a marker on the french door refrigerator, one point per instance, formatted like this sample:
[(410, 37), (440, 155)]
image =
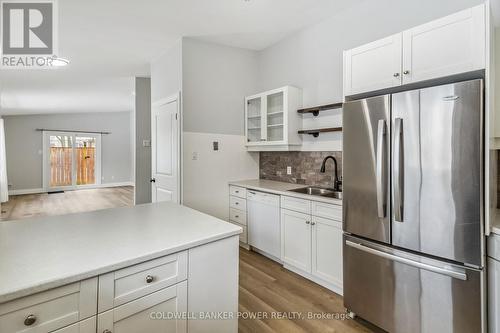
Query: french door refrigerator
[(412, 209)]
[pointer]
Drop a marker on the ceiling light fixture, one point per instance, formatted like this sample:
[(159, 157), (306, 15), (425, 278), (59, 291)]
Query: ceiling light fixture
[(59, 62)]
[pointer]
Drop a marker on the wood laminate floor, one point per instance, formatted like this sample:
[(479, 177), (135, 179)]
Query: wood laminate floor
[(34, 205), (266, 288)]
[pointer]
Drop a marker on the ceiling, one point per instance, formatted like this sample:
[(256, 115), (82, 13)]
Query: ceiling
[(110, 41)]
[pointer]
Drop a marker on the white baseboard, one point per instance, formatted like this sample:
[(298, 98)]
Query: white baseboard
[(114, 184), (41, 190), (27, 191), (338, 289)]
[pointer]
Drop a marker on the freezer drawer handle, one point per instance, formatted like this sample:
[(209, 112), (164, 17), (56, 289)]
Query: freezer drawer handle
[(380, 182), (427, 267)]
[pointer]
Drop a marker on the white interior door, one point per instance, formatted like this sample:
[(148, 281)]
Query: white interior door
[(165, 144)]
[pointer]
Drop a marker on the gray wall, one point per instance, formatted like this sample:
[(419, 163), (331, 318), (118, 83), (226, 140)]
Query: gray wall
[(312, 58), (215, 81), (142, 132), (24, 145)]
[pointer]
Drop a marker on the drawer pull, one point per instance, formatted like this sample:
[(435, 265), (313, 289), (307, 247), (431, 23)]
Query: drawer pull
[(106, 331), (236, 216), (149, 279), (237, 191), (30, 320)]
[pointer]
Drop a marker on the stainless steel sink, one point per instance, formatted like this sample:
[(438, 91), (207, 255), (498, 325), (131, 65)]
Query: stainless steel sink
[(319, 191)]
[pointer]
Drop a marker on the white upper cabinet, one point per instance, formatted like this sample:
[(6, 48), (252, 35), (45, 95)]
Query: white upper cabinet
[(451, 45), (373, 66), (272, 121)]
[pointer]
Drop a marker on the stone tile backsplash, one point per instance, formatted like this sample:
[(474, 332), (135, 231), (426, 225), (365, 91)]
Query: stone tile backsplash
[(305, 167)]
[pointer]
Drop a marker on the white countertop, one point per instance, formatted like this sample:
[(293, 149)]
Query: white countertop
[(281, 188), (43, 253)]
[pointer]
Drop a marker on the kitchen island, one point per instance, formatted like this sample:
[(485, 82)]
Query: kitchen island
[(119, 270)]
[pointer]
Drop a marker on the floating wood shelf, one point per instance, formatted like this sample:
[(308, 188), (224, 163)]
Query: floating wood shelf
[(315, 132), (317, 109)]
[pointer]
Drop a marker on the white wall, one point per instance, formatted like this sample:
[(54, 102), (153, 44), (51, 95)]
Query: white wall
[(312, 58), (166, 73), (24, 145), (206, 177), (215, 80)]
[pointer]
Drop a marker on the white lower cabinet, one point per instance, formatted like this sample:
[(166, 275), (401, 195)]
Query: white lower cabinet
[(159, 312), (296, 239), (327, 250), (312, 245)]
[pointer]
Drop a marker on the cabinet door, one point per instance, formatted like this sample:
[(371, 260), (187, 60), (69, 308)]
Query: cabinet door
[(373, 66), (451, 45), (275, 115), (327, 250), (494, 295), (255, 129), (296, 239), (159, 312)]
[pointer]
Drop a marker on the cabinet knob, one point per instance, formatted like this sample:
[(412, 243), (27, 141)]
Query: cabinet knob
[(236, 216), (30, 320), (313, 223), (406, 72), (308, 222), (396, 74), (149, 279)]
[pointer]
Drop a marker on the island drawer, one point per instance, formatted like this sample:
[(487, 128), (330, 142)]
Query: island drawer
[(238, 216), (85, 326), (237, 191), (127, 284), (238, 203), (326, 210), (50, 310), (296, 204)]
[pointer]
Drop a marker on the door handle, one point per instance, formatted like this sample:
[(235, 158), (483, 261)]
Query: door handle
[(152, 180), (417, 264), (380, 167), (398, 164)]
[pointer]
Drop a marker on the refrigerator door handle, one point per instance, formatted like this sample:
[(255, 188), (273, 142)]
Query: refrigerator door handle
[(397, 165), (380, 182), (427, 267)]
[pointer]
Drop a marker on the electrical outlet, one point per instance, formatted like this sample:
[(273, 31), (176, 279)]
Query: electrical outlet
[(146, 143), (216, 145), (288, 170)]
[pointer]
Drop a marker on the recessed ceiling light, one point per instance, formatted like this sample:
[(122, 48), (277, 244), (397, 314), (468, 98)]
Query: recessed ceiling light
[(59, 62)]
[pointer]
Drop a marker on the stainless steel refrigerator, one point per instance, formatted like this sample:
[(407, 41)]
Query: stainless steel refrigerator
[(413, 209)]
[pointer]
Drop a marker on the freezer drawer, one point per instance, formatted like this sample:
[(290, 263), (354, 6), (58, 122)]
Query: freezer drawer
[(403, 292)]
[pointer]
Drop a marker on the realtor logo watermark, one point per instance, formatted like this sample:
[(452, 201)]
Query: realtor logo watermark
[(28, 33)]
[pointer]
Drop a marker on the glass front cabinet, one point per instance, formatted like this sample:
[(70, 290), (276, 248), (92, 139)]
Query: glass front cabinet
[(272, 121)]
